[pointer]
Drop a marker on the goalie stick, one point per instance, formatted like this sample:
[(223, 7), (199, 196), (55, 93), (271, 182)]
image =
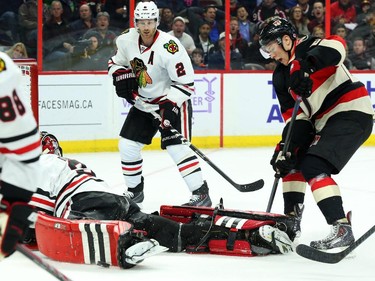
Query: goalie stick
[(325, 257), (39, 261), (240, 187)]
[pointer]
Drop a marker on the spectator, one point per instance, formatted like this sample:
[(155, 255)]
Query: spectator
[(306, 8), (318, 31), (364, 28), (216, 57), (197, 59), (9, 21), (347, 62), (343, 11), (364, 11), (238, 44), (17, 51), (178, 31), (211, 16), (267, 9), (319, 16), (107, 36), (247, 28), (57, 42), (166, 19), (299, 21), (340, 30), (91, 57), (70, 8), (177, 5), (370, 46), (84, 23), (28, 21), (204, 42), (118, 11), (360, 59)]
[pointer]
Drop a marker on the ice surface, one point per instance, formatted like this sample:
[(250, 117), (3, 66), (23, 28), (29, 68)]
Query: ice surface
[(163, 185)]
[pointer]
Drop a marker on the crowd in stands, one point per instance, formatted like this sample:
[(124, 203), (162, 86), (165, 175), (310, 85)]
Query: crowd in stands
[(80, 35)]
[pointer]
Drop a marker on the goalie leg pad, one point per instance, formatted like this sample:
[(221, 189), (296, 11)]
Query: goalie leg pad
[(79, 241)]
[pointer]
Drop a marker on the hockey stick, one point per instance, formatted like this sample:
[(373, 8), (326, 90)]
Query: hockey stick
[(317, 255), (39, 261), (240, 187), (284, 151)]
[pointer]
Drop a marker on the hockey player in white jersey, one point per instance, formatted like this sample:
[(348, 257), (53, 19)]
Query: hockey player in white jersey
[(155, 67), (19, 157)]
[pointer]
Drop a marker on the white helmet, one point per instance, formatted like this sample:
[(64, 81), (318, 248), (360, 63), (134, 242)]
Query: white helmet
[(146, 11)]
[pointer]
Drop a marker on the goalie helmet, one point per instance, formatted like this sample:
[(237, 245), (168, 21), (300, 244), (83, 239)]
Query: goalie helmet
[(50, 144), (146, 11), (274, 28)]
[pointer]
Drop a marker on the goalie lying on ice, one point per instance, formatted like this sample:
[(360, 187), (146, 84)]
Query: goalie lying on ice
[(82, 220)]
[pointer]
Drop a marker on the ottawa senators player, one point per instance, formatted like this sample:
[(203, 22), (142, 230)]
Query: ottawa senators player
[(155, 66), (335, 118), (19, 157)]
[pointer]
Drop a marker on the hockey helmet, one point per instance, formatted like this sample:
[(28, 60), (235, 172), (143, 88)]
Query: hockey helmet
[(274, 28), (50, 144), (146, 11)]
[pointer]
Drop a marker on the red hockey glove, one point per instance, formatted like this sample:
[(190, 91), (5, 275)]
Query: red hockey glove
[(126, 84), (169, 112), (300, 81), (15, 220), (281, 164)]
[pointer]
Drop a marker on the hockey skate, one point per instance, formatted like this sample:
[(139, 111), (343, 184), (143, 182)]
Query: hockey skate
[(276, 238), (133, 249), (136, 194), (294, 230), (341, 236), (200, 197)]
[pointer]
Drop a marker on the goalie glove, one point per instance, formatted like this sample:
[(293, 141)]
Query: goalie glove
[(283, 164), (169, 113), (15, 220), (126, 84)]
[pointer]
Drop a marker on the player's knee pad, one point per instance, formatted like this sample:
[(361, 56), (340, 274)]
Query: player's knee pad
[(180, 152), (130, 150)]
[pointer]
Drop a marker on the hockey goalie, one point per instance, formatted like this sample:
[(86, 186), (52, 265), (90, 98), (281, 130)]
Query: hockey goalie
[(82, 220)]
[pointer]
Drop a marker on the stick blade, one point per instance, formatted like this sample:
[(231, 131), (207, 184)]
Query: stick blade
[(319, 256), (250, 186)]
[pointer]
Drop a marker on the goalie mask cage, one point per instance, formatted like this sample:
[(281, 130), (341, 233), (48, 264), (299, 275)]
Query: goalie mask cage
[(29, 82)]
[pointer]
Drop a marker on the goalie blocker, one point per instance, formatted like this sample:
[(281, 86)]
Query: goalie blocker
[(98, 242), (236, 233)]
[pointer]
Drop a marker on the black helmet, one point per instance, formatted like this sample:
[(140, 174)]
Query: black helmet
[(274, 28)]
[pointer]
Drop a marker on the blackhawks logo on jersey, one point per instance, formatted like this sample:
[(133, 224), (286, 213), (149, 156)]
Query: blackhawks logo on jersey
[(2, 65), (171, 47), (140, 70)]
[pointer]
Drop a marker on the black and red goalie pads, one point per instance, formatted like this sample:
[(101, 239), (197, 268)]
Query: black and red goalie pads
[(234, 221)]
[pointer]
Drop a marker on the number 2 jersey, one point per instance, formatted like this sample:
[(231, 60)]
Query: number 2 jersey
[(20, 146), (162, 70)]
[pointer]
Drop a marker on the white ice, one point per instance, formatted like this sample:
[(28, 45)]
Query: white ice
[(163, 186)]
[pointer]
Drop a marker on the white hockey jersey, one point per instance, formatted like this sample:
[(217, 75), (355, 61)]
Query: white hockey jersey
[(163, 69), (19, 136), (63, 178)]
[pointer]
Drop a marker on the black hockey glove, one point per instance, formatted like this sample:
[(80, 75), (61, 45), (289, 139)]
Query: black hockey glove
[(283, 164), (300, 81), (15, 220), (126, 84), (169, 113)]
